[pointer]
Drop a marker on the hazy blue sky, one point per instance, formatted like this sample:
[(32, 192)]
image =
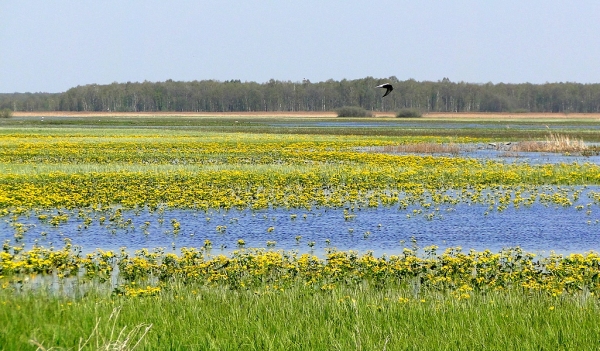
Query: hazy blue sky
[(53, 45)]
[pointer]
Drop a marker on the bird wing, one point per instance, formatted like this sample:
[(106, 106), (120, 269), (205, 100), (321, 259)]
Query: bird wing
[(388, 88)]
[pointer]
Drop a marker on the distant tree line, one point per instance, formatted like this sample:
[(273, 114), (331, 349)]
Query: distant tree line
[(274, 95)]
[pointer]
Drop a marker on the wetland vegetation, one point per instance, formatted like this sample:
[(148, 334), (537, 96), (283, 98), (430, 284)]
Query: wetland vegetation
[(98, 171)]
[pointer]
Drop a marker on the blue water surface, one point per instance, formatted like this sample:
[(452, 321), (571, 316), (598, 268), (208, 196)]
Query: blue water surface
[(383, 230)]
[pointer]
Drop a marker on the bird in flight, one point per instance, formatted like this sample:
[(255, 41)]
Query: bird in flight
[(388, 88)]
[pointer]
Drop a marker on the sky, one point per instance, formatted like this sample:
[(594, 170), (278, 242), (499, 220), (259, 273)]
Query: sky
[(51, 46)]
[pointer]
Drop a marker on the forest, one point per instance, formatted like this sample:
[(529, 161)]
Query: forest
[(274, 95)]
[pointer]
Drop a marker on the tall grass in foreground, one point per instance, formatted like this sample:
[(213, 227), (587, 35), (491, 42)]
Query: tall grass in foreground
[(300, 318), (121, 339)]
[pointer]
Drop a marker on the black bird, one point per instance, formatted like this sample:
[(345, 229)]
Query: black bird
[(388, 88)]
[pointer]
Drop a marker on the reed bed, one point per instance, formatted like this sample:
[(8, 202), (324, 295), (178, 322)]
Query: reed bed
[(423, 148), (554, 143)]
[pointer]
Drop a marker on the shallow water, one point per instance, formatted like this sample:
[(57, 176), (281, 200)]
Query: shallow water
[(532, 158), (430, 125), (487, 152), (382, 230)]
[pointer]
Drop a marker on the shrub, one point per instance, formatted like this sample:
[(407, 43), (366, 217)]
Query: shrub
[(409, 112), (5, 113), (520, 110), (353, 111)]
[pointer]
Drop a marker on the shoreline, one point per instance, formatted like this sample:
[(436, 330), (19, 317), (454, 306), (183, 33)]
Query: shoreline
[(305, 114)]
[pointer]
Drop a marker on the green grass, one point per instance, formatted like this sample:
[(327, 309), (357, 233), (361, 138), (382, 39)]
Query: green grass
[(359, 318)]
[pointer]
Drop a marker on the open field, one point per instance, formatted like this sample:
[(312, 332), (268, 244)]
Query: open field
[(497, 127), (107, 171)]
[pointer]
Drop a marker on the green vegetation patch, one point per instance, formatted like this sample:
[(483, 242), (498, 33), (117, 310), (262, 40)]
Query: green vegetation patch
[(300, 318), (409, 112), (353, 111)]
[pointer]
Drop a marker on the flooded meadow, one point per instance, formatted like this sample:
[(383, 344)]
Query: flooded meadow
[(113, 188), (176, 222), (107, 201)]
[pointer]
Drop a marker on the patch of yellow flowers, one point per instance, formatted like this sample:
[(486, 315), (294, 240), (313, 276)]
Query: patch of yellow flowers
[(254, 171), (460, 273)]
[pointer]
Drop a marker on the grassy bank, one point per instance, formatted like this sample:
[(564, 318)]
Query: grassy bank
[(301, 318), (256, 300)]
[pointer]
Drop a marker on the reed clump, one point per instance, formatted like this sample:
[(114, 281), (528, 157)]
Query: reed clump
[(553, 143)]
